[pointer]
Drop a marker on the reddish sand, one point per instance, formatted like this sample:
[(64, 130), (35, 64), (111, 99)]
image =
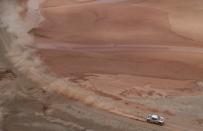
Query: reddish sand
[(119, 40), (125, 50)]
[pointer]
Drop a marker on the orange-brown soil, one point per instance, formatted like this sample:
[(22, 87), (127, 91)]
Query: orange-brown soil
[(126, 50)]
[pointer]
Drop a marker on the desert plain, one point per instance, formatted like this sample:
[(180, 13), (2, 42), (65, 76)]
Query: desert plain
[(128, 58)]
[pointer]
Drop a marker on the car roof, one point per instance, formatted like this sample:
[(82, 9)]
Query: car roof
[(154, 116)]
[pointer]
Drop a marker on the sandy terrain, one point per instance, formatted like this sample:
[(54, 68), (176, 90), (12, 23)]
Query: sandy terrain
[(125, 58), (140, 52), (25, 106)]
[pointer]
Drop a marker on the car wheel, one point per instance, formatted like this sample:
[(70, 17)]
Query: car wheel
[(161, 124)]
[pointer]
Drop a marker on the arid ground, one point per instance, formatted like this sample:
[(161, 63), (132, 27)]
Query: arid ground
[(135, 56)]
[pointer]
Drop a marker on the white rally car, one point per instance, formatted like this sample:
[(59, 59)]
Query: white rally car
[(156, 119)]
